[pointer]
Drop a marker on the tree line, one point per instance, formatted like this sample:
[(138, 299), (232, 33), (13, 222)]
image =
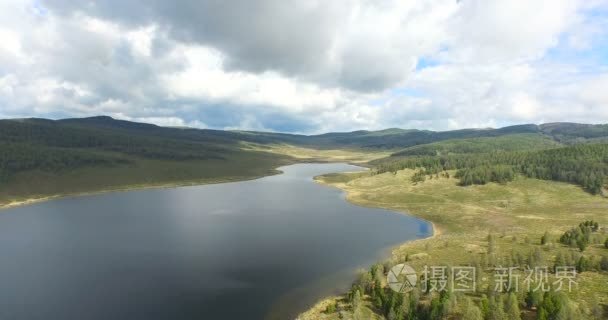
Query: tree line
[(585, 165)]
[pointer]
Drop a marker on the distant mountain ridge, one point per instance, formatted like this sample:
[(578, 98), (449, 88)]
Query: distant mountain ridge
[(392, 138), (41, 157)]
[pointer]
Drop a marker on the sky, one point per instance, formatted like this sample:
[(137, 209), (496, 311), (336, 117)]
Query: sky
[(307, 66)]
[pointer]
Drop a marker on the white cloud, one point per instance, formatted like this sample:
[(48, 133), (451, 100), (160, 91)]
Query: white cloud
[(594, 95), (205, 78), (515, 30), (311, 67)]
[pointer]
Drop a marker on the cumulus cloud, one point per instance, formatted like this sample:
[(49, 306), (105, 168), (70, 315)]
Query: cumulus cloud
[(508, 31), (319, 41), (306, 66)]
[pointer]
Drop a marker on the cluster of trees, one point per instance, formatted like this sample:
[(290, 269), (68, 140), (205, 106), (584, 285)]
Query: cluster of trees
[(579, 236), (485, 174), (419, 305), (414, 304), (419, 176), (50, 146), (554, 305), (584, 164), (535, 258), (593, 225), (19, 157), (581, 262)]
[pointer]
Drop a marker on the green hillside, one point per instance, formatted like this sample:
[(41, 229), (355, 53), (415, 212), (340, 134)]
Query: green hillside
[(511, 142), (41, 157), (567, 133)]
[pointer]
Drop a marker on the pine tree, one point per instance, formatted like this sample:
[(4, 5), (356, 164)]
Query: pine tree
[(542, 314), (491, 244), (583, 264), (412, 304), (436, 308), (484, 305), (471, 311), (512, 308), (533, 298), (496, 308)]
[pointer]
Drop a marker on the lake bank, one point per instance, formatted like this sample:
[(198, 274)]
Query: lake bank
[(153, 174), (466, 216), (349, 195)]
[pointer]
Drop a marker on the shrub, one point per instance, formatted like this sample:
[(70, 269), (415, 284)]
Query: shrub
[(579, 236), (331, 308), (545, 238), (604, 263)]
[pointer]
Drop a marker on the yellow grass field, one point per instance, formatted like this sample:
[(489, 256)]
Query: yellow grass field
[(516, 214)]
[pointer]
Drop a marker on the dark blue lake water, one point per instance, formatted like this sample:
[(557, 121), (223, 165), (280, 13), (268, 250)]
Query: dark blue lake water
[(246, 250)]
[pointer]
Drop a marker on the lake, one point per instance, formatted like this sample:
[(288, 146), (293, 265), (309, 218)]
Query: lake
[(264, 248)]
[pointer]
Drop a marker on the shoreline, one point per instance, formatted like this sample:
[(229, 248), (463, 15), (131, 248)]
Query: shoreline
[(323, 302), (273, 171), (436, 231)]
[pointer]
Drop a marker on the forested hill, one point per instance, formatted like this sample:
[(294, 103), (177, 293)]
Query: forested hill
[(386, 139), (44, 131), (40, 157), (26, 143), (155, 154), (566, 133)]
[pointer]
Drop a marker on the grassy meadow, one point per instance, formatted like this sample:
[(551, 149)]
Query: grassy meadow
[(356, 156), (516, 215)]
